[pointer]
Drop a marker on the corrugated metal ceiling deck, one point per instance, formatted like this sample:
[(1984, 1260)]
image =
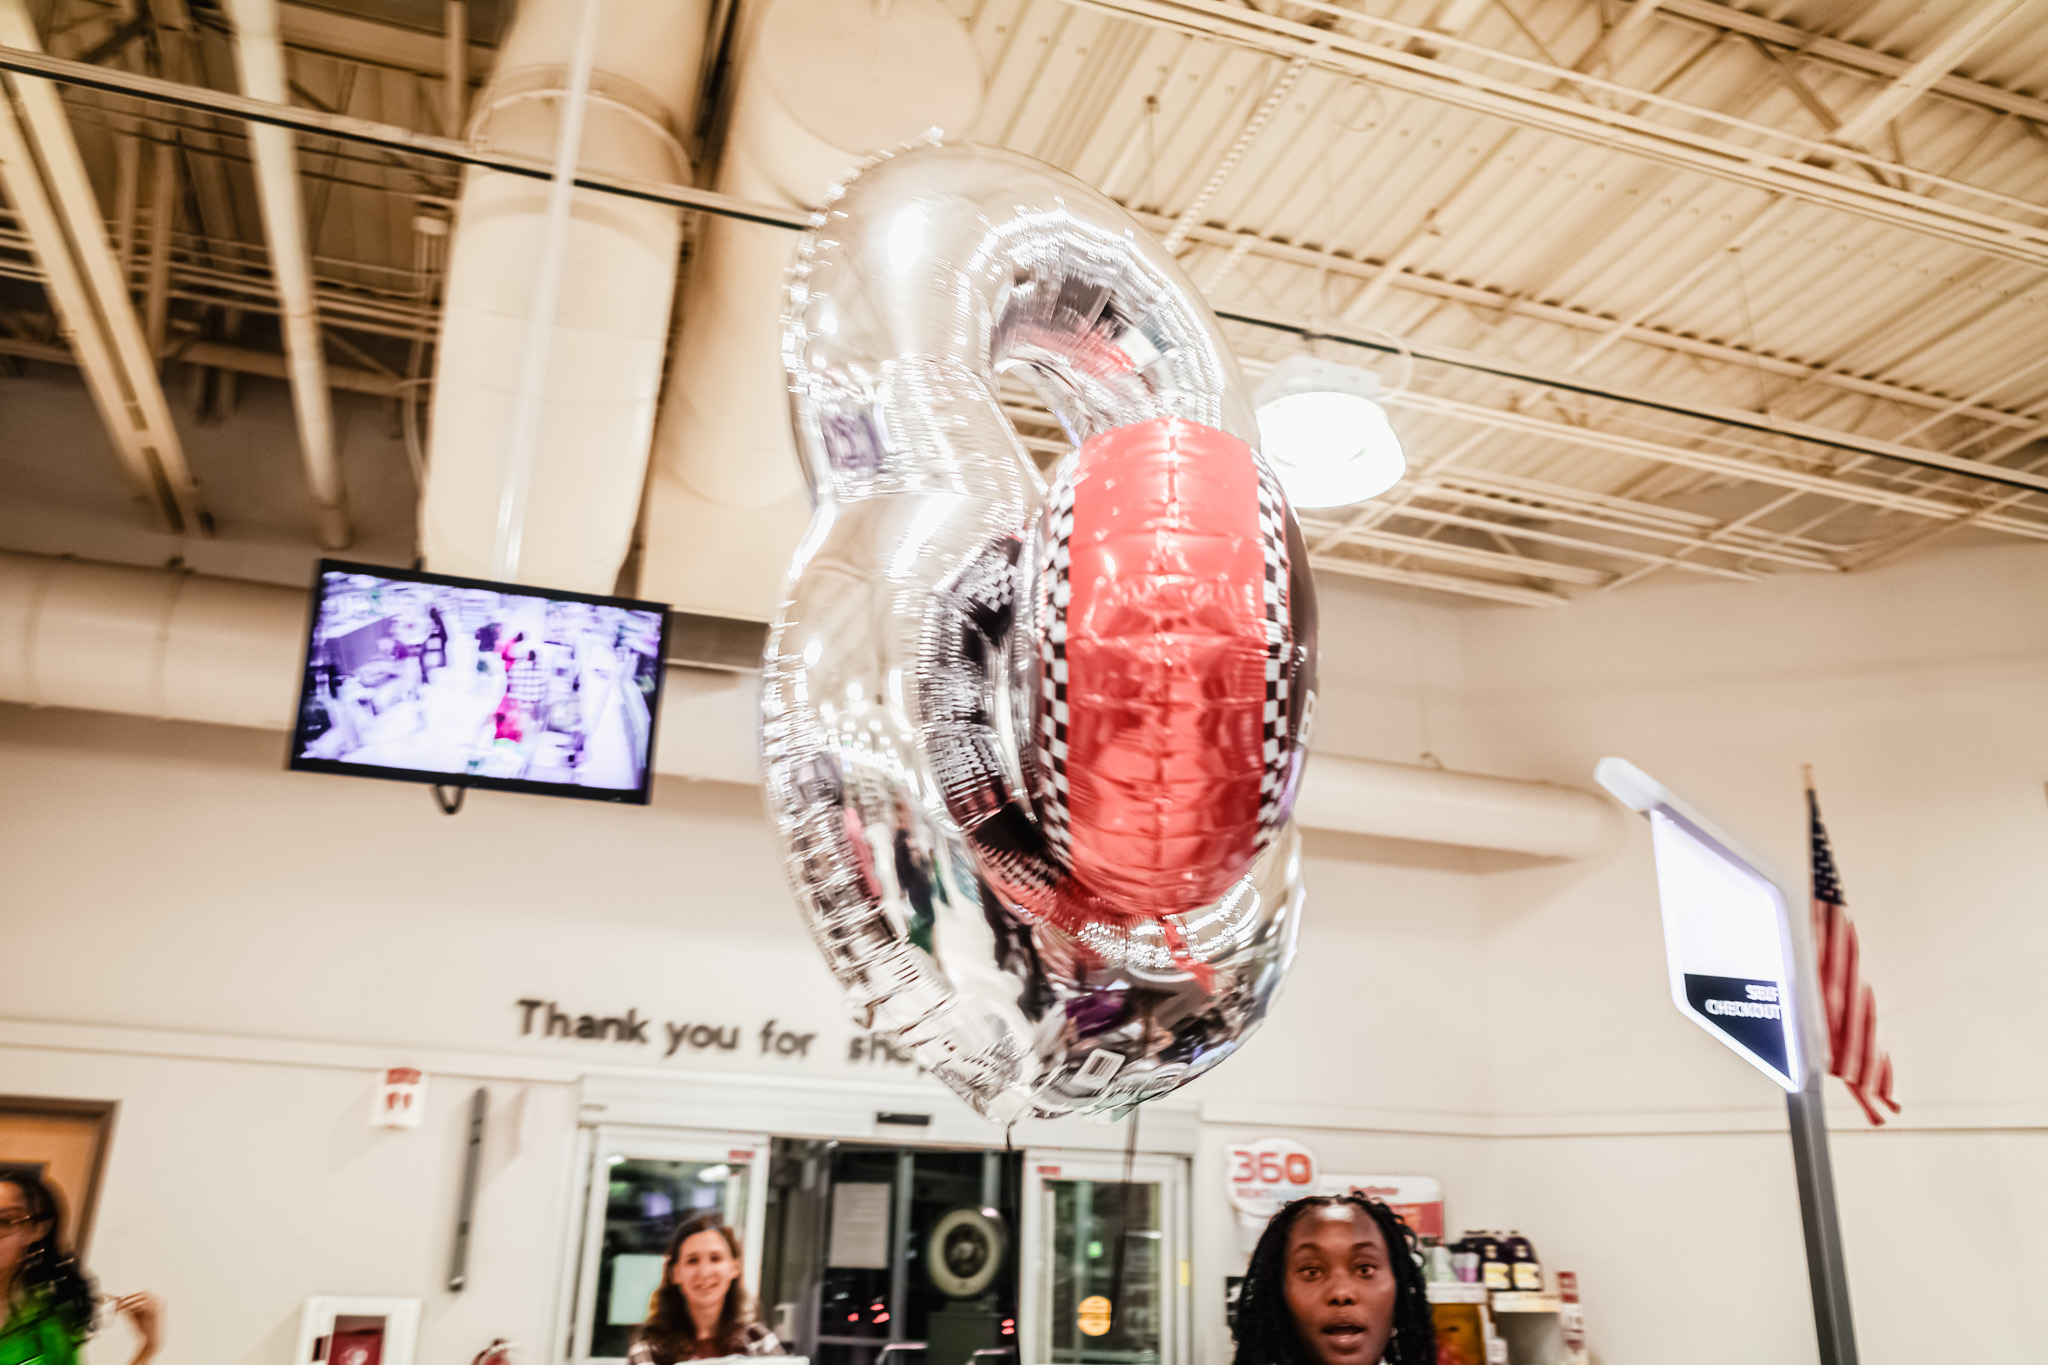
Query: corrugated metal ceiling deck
[(1632, 250)]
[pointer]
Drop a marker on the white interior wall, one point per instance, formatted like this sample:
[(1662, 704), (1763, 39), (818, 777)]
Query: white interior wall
[(230, 950), (1498, 1022), (239, 1188), (1656, 1162)]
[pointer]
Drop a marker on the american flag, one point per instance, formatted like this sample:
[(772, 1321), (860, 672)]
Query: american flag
[(1851, 1005)]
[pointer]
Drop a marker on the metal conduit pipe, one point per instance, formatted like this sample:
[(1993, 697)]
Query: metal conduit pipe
[(259, 56), (610, 328), (182, 646), (824, 84)]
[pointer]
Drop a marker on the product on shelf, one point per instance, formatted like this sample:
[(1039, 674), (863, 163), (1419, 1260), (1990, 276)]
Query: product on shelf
[(1465, 1259), (1493, 1261), (1524, 1270)]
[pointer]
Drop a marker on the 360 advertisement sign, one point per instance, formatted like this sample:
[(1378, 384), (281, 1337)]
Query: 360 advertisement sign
[(1261, 1176)]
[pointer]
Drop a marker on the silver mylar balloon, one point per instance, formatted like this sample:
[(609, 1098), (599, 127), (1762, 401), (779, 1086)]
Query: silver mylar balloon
[(902, 682)]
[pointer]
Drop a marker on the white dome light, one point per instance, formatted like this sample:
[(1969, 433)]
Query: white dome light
[(1328, 442)]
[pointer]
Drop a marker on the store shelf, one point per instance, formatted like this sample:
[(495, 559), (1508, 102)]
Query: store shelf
[(1456, 1291), (1506, 1301)]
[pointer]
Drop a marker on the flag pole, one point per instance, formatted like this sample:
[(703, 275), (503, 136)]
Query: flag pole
[(1827, 1273)]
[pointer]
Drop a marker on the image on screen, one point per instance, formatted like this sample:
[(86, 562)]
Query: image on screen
[(466, 683)]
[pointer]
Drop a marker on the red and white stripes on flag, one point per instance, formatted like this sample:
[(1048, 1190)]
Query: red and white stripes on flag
[(1851, 1006)]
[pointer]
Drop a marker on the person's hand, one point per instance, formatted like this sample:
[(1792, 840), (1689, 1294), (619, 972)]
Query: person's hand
[(146, 1313)]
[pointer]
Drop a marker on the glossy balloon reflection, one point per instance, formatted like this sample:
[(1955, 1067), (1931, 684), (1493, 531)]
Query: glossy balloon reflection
[(1033, 761)]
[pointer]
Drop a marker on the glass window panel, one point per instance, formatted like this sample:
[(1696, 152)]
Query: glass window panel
[(1089, 1219), (645, 1201), (830, 1206)]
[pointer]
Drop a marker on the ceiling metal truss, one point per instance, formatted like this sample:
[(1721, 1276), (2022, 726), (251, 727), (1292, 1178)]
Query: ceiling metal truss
[(1565, 436)]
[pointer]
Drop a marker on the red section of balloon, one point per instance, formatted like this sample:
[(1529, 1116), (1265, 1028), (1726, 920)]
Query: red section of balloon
[(1157, 718)]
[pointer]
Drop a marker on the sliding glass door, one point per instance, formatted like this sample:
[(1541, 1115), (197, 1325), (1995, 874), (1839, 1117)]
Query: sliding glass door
[(1105, 1280), (642, 1185)]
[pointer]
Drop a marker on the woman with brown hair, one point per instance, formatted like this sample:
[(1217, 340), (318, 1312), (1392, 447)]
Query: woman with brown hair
[(701, 1309)]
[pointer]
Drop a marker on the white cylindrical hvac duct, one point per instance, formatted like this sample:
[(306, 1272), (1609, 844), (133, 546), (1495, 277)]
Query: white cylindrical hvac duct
[(1404, 801), (146, 642), (823, 85), (178, 646), (181, 646), (612, 322)]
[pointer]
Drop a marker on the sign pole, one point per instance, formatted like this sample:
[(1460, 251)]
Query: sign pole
[(1825, 1270), (1742, 967)]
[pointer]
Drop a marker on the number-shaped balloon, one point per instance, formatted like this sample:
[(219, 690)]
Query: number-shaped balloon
[(1032, 753)]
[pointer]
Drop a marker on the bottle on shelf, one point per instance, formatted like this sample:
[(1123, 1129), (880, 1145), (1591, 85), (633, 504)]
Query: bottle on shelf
[(1525, 1272), (1465, 1259), (1493, 1262)]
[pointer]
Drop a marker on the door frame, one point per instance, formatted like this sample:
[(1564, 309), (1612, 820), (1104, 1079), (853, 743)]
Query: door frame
[(1042, 1164), (100, 1115), (603, 1142), (757, 1107)]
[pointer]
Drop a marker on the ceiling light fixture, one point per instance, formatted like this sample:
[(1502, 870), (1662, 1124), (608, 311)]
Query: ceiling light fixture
[(1325, 434)]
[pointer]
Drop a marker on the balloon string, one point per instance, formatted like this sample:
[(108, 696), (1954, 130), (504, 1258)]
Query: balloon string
[(1126, 1197)]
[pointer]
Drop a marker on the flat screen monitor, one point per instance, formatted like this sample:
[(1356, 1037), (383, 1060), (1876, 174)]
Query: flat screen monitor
[(426, 678)]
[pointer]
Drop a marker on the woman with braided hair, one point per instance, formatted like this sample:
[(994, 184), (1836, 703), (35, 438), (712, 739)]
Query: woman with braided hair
[(1335, 1281)]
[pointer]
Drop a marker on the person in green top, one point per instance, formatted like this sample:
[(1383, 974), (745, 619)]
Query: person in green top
[(49, 1302)]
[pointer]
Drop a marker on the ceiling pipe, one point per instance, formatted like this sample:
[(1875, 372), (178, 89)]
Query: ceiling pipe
[(259, 57), (558, 299), (46, 181), (823, 85), (188, 647), (455, 64)]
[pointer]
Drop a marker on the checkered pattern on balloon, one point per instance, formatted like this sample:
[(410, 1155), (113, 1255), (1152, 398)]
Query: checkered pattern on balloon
[(1032, 749)]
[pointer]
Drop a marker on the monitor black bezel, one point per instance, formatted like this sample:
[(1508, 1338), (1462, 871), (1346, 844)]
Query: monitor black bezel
[(528, 786)]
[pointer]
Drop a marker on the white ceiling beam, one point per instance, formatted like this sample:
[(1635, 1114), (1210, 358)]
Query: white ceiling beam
[(1421, 512), (47, 181), (1702, 411), (259, 58), (1249, 134), (78, 319), (1808, 46), (348, 128), (1472, 557), (1802, 170), (447, 149), (1479, 296), (215, 356), (367, 42), (1727, 466), (1509, 495), (1485, 589), (1618, 39), (1916, 80)]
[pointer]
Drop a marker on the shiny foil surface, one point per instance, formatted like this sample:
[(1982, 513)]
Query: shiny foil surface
[(1032, 761)]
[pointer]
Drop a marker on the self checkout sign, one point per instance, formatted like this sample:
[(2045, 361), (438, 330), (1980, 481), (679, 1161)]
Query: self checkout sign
[(1261, 1176), (1727, 939)]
